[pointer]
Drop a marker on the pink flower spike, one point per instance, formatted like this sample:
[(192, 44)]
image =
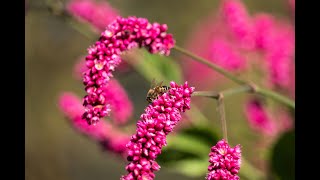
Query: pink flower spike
[(238, 22), (224, 162), (98, 14), (115, 95), (104, 56), (108, 136), (158, 120)]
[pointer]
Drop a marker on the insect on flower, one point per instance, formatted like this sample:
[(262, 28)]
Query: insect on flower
[(156, 90)]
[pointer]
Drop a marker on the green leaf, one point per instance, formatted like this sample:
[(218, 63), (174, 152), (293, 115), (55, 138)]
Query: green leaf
[(166, 65), (187, 152), (170, 156), (191, 167), (248, 171), (188, 144), (203, 134), (158, 67), (283, 157)]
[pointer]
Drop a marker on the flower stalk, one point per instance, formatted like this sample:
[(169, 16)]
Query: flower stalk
[(222, 114)]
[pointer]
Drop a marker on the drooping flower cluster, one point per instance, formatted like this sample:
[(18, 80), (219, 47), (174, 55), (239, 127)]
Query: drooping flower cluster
[(104, 56), (98, 14), (107, 135), (224, 162), (159, 120)]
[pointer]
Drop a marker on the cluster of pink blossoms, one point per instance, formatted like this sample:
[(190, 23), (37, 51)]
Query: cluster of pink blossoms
[(224, 162), (107, 135), (98, 14), (159, 119), (104, 56)]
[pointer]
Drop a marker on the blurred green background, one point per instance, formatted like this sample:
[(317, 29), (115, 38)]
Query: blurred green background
[(53, 150)]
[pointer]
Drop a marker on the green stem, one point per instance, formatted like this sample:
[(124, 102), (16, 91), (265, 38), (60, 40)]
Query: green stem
[(225, 93), (276, 96), (243, 88), (222, 113), (80, 28), (264, 92), (210, 94)]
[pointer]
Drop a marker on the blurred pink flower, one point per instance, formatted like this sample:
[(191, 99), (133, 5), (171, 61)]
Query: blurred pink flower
[(234, 40), (284, 121), (264, 25), (280, 56), (212, 41), (159, 119), (97, 13), (107, 135), (224, 54), (121, 105), (238, 22), (275, 40), (258, 118), (103, 57), (224, 161), (266, 122)]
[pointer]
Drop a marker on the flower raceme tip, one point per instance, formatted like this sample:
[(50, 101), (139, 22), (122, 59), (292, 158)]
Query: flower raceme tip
[(158, 120), (224, 162)]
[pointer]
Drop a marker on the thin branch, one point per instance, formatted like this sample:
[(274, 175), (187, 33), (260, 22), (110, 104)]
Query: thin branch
[(262, 91), (225, 93)]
